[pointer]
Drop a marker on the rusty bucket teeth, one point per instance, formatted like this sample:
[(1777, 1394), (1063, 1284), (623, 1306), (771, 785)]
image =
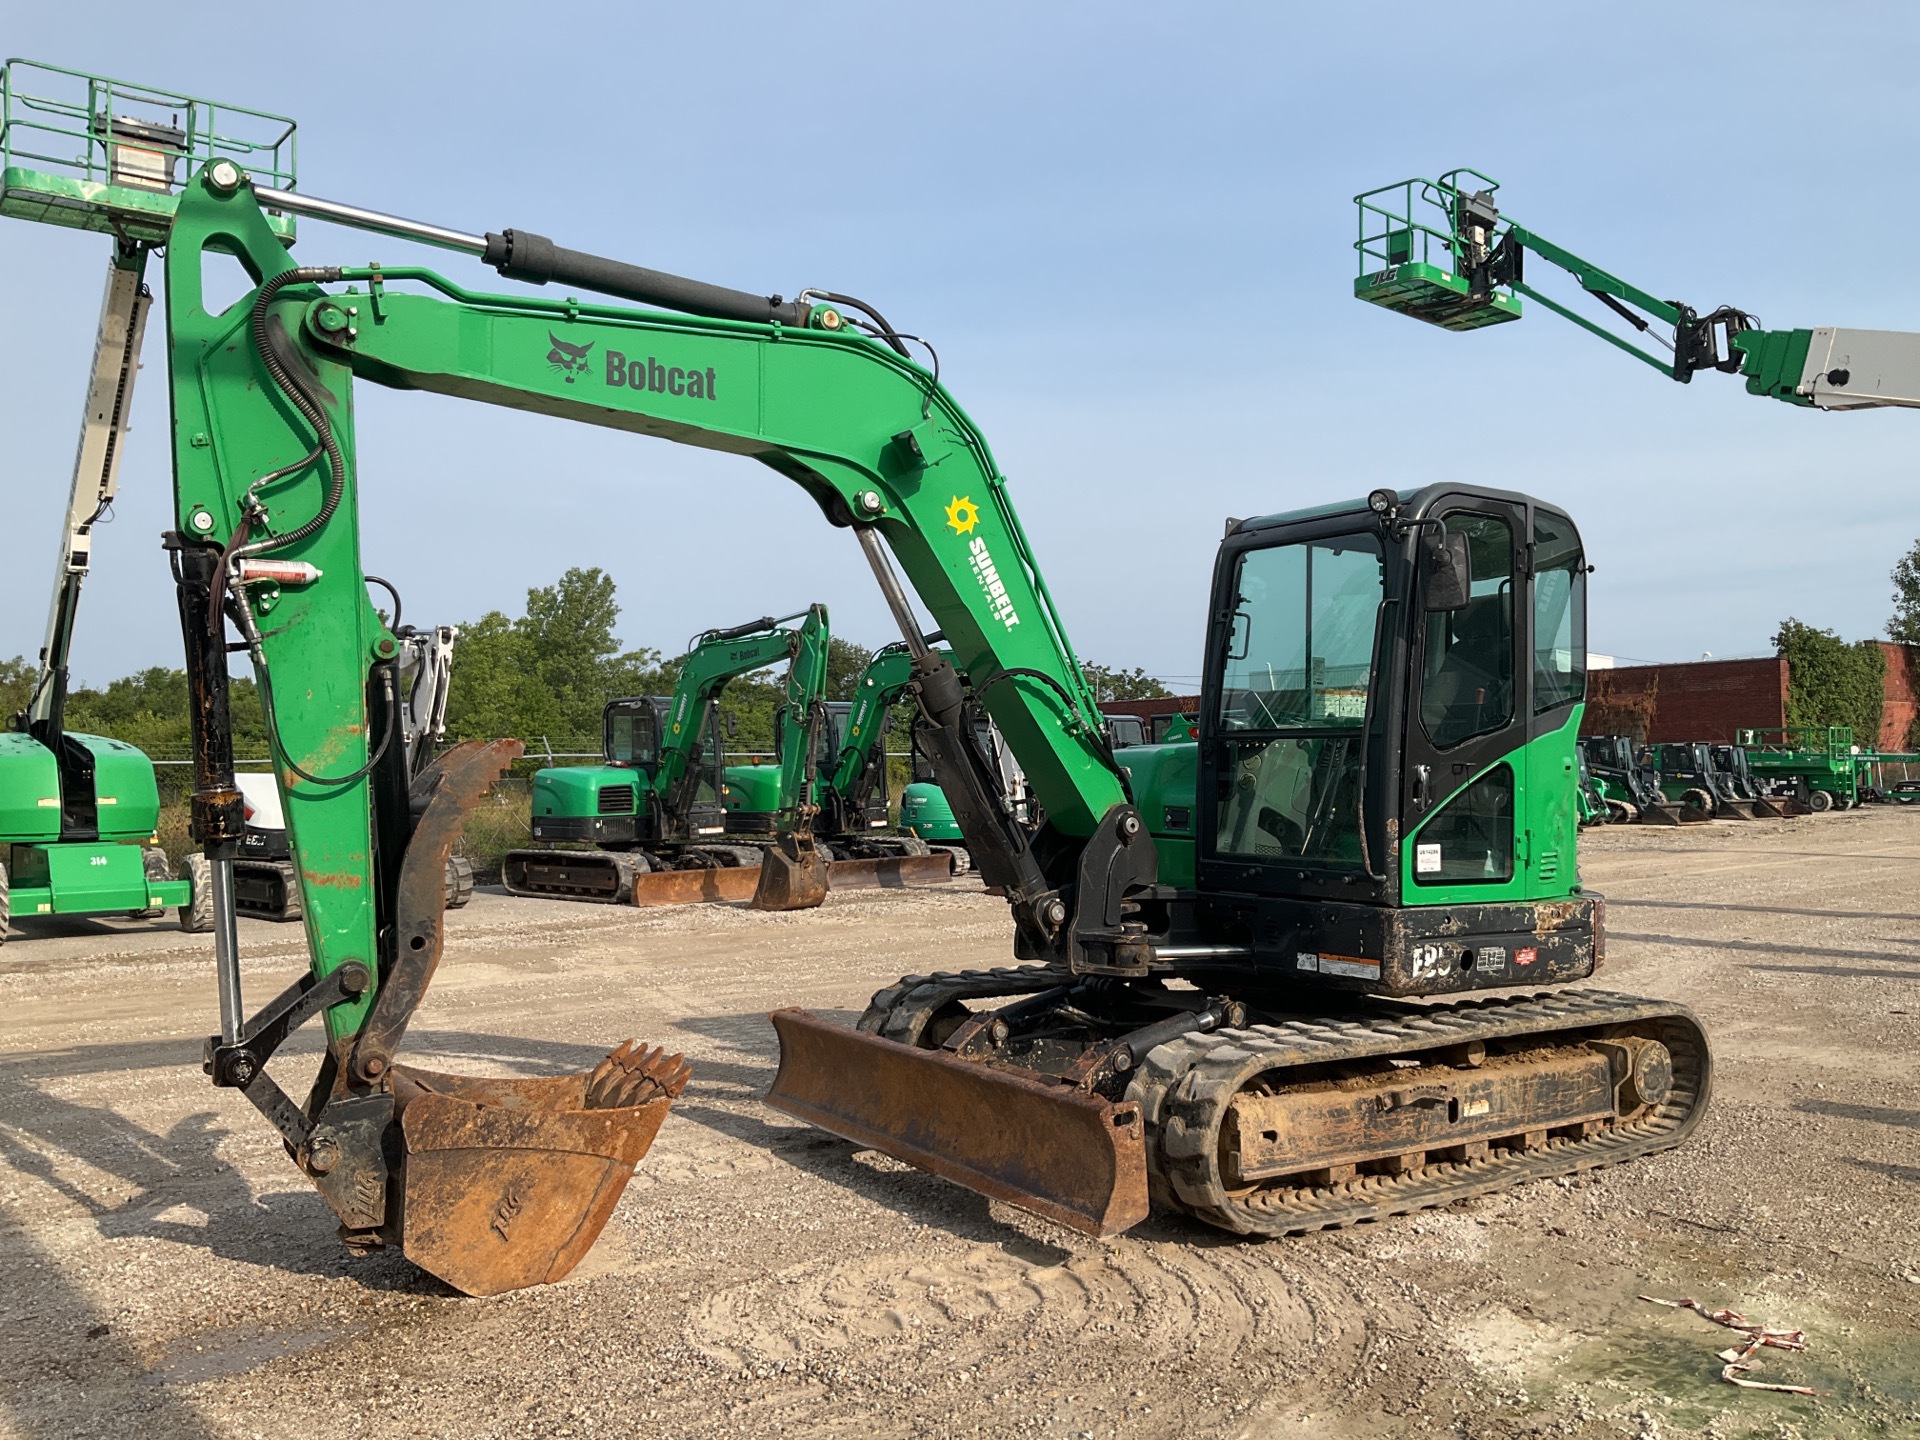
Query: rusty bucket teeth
[(507, 1183)]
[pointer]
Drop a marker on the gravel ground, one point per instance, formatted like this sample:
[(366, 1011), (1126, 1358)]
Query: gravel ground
[(165, 1272)]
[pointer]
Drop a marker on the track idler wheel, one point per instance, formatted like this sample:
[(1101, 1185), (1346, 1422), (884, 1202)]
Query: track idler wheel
[(793, 875), (507, 1183)]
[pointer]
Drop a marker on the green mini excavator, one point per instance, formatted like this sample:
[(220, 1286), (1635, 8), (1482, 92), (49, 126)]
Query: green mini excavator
[(1253, 986), (850, 785), (654, 811)]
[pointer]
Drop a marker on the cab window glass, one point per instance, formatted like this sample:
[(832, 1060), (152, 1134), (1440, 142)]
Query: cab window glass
[(1559, 613), (1470, 838), (1467, 676), (1300, 654)]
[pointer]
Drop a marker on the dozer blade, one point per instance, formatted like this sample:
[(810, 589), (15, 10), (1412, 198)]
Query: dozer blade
[(720, 884), (1671, 812), (793, 875), (507, 1183), (1063, 1153), (889, 872)]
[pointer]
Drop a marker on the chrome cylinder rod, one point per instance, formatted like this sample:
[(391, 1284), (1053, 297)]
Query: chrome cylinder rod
[(226, 953), (890, 587), (359, 219)]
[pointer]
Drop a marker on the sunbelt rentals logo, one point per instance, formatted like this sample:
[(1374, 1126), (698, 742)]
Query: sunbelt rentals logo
[(963, 518)]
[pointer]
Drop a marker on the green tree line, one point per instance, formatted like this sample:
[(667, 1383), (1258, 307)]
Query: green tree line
[(541, 676)]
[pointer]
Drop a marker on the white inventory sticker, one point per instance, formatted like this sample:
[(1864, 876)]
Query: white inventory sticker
[(1426, 859)]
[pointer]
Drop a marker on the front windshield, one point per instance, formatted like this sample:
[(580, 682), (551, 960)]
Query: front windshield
[(1295, 683), (631, 735), (1302, 651)]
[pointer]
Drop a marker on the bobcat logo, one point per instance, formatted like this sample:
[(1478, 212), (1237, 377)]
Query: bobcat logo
[(568, 360)]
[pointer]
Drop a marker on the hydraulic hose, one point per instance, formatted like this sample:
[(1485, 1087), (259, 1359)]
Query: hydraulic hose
[(294, 386)]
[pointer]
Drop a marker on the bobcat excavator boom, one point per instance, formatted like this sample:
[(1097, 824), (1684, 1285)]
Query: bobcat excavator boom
[(1228, 1000)]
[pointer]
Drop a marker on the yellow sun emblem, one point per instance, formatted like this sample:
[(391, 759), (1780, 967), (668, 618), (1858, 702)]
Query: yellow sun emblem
[(962, 515)]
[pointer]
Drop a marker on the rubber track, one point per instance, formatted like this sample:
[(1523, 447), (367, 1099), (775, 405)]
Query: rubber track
[(1185, 1086), (888, 1013)]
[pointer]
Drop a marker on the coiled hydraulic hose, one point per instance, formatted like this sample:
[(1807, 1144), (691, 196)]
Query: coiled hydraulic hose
[(294, 387)]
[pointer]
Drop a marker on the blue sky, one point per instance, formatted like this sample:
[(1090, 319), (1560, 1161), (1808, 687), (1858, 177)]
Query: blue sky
[(1128, 229)]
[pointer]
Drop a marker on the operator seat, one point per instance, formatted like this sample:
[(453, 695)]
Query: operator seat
[(1467, 691)]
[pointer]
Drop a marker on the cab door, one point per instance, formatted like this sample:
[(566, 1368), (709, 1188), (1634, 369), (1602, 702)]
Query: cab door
[(1466, 775)]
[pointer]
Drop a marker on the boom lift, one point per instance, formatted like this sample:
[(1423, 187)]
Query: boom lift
[(75, 808), (655, 808), (1380, 807), (1441, 251)]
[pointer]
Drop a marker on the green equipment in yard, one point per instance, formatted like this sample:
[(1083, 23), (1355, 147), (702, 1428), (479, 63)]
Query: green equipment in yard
[(1380, 803), (1686, 774), (1623, 773), (654, 810), (849, 775), (1591, 799), (1442, 251), (78, 812), (1818, 763)]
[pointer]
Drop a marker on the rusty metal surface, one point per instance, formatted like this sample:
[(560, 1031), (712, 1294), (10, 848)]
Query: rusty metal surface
[(507, 1183), (728, 884), (889, 872), (1405, 1113), (1074, 1158), (454, 783), (793, 875)]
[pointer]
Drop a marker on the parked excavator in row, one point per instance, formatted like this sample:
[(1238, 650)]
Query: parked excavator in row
[(850, 793), (659, 812), (1238, 952)]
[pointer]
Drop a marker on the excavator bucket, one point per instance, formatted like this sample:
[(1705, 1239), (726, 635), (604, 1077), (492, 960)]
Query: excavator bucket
[(793, 875), (890, 872), (492, 1184), (507, 1183), (1058, 1151)]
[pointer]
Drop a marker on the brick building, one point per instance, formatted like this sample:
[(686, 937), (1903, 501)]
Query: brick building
[(1710, 699)]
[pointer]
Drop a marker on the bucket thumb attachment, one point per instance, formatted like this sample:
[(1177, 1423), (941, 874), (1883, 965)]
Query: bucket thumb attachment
[(793, 874), (507, 1183), (490, 1184)]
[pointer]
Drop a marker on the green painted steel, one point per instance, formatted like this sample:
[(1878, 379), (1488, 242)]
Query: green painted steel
[(1166, 780), (1773, 361), (125, 791), (1417, 257), (29, 791), (88, 879), (1822, 757), (231, 427), (800, 737), (1546, 828), (875, 693), (93, 153), (927, 814)]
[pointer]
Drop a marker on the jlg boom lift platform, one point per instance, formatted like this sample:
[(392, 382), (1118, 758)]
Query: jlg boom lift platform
[(1233, 995)]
